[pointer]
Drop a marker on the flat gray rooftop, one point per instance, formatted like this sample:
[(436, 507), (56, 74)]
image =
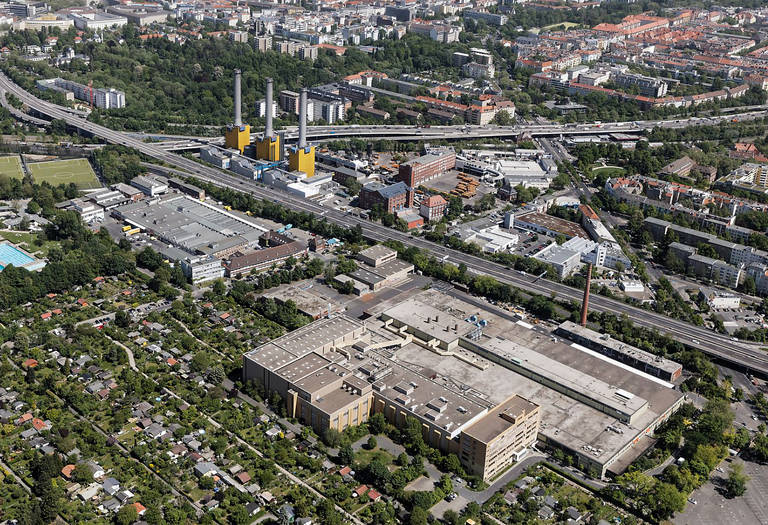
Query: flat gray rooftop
[(662, 363), (311, 337), (377, 251), (581, 383), (437, 323), (191, 224), (564, 419), (494, 424)]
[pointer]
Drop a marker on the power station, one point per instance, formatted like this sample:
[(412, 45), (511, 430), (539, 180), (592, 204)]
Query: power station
[(301, 156), (265, 159), (238, 135), (268, 147)]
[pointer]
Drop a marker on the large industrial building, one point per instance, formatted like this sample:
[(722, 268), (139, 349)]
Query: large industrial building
[(482, 386), (192, 226)]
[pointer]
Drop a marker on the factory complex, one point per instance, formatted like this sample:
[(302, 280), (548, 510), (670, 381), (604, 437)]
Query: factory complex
[(482, 383)]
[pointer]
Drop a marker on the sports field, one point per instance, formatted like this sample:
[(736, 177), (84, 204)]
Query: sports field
[(57, 172), (11, 167)]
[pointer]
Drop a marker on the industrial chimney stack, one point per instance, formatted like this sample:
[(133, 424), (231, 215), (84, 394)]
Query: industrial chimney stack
[(238, 135), (303, 119), (585, 303), (302, 157), (268, 109), (238, 100)]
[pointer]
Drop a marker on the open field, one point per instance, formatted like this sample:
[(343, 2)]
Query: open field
[(55, 172), (611, 171), (11, 166)]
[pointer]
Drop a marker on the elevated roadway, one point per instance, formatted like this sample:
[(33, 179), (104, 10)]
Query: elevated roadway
[(742, 355)]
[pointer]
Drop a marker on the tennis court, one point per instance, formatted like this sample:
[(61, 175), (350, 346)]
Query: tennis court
[(11, 167), (55, 172)]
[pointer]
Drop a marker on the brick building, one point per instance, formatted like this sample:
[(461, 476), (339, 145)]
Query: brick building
[(391, 198), (433, 208), (426, 167)]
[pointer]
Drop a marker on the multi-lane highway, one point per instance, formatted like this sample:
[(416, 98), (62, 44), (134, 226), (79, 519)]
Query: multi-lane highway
[(745, 356)]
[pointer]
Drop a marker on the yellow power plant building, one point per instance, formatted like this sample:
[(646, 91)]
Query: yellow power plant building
[(302, 157)]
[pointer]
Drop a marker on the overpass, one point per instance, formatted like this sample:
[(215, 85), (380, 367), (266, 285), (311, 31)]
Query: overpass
[(745, 356)]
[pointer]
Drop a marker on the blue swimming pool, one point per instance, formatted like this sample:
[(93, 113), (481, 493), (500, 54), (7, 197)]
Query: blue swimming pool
[(9, 254)]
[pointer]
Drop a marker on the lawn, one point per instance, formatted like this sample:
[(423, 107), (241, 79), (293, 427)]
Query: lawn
[(364, 456), (611, 171), (31, 242), (55, 172), (11, 166)]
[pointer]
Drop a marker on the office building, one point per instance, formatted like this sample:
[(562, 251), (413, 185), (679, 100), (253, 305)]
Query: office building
[(199, 269), (433, 208), (496, 441)]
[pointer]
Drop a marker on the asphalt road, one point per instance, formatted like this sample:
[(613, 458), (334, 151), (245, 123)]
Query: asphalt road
[(749, 357)]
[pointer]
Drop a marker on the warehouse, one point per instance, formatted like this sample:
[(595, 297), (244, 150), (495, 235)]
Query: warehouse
[(645, 361), (196, 227), (599, 409)]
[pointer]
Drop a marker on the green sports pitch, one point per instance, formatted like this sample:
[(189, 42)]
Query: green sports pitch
[(11, 167), (55, 172)]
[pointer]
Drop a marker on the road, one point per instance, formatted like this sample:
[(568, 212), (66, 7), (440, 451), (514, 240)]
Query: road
[(464, 132), (742, 355)]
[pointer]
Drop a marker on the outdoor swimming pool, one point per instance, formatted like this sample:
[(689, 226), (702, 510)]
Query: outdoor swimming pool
[(9, 254)]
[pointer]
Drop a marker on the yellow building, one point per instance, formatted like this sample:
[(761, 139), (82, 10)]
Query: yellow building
[(269, 148), (302, 159), (237, 137)]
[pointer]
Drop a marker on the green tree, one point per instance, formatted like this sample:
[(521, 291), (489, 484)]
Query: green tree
[(122, 319), (418, 516), (126, 515), (346, 454), (371, 444), (736, 484), (377, 424), (216, 376)]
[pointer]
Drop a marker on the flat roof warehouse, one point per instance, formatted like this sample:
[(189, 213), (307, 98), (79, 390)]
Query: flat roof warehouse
[(450, 365), (188, 223)]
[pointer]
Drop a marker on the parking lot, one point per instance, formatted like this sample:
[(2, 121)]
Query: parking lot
[(713, 509)]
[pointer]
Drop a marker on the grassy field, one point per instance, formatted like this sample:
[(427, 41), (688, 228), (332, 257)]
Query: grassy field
[(11, 166), (32, 242), (55, 172), (611, 171)]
